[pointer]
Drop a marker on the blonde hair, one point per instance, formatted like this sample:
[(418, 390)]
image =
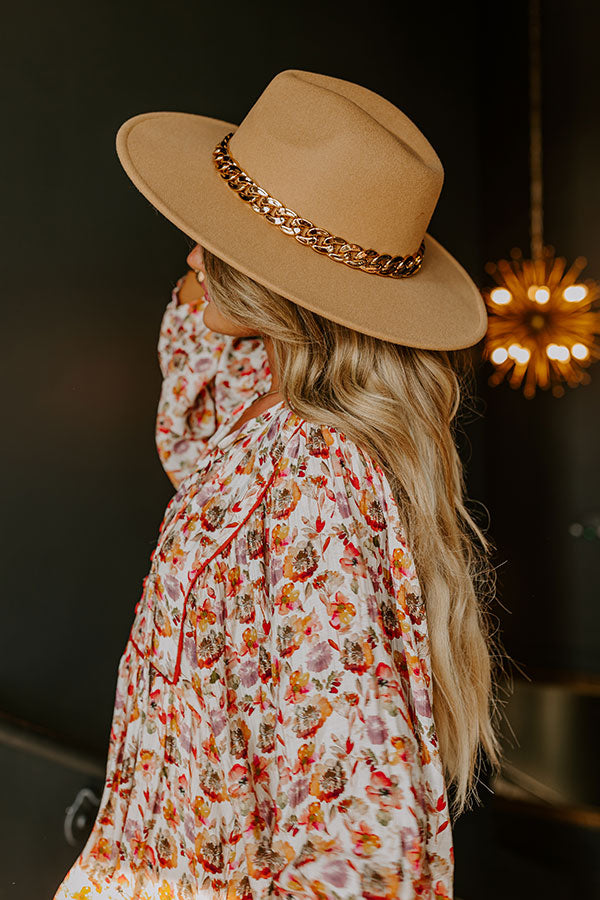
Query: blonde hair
[(399, 405)]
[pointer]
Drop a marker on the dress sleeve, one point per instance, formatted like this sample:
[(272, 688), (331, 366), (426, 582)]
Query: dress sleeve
[(359, 805), (206, 378)]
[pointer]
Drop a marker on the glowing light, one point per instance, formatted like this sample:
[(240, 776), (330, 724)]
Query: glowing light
[(499, 355), (501, 296), (550, 341), (580, 351), (575, 292), (558, 352), (523, 355), (518, 353)]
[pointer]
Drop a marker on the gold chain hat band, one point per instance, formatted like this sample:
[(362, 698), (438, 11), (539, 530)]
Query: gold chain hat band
[(318, 239)]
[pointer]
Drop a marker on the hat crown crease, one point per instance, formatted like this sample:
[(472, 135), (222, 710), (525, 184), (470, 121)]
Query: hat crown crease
[(329, 159)]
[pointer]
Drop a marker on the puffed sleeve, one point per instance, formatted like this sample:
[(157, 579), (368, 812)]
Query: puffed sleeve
[(188, 355), (359, 804), (206, 377)]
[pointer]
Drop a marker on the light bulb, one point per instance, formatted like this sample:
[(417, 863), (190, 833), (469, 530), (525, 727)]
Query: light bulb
[(575, 292), (580, 351), (501, 296)]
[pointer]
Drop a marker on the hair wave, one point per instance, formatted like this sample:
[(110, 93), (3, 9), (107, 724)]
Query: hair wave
[(400, 405)]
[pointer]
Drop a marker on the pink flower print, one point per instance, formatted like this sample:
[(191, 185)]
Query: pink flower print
[(383, 791), (352, 560), (376, 729), (319, 657)]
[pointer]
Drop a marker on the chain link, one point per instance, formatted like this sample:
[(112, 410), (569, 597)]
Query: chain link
[(318, 239)]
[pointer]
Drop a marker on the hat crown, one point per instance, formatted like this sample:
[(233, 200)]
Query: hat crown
[(343, 157)]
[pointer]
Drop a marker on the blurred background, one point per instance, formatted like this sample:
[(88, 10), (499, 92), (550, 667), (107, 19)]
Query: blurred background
[(87, 267)]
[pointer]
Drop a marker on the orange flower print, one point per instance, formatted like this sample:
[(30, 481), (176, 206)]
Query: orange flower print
[(170, 813), (170, 552), (162, 623), (244, 604), (102, 849), (212, 514), (365, 841), (143, 854), (268, 857), (205, 616), (298, 687), (300, 564), (210, 648), (238, 780), (234, 577), (306, 755), (266, 737), (341, 611), (318, 441), (306, 626), (201, 809), (357, 656), (310, 717), (440, 892), (179, 387), (280, 536), (188, 525), (313, 819), (328, 782), (284, 499), (288, 640), (402, 752), (239, 736), (372, 511), (166, 850), (250, 638), (288, 598), (209, 852), (210, 783), (209, 748), (166, 891), (146, 763), (352, 560), (400, 563)]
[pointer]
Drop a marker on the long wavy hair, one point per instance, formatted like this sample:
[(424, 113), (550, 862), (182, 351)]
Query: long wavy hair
[(400, 404)]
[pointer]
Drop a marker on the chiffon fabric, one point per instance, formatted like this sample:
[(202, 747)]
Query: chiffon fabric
[(272, 734)]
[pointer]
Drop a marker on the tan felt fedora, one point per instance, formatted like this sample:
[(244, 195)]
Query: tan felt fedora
[(322, 193)]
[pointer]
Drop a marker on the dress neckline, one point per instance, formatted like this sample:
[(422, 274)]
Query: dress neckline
[(222, 437)]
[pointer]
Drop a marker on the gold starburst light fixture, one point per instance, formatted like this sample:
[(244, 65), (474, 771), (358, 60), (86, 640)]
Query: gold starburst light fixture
[(543, 320)]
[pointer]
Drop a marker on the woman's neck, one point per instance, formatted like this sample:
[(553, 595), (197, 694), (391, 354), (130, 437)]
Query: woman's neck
[(272, 364)]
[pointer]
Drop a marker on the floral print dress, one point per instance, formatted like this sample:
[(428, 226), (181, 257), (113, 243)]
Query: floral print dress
[(272, 734)]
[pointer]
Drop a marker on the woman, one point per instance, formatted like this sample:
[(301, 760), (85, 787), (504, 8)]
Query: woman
[(310, 665)]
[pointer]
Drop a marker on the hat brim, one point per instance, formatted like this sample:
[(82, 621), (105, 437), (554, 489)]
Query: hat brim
[(168, 156)]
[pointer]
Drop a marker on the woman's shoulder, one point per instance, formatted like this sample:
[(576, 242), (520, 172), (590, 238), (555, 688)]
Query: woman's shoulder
[(313, 447), (329, 475)]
